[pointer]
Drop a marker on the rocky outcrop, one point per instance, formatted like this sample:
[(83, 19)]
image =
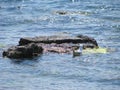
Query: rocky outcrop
[(30, 47), (26, 51), (58, 40)]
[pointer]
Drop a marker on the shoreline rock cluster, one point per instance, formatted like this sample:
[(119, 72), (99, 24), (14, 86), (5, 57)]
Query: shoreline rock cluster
[(31, 47)]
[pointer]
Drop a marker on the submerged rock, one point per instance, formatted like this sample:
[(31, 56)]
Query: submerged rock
[(63, 12), (30, 47)]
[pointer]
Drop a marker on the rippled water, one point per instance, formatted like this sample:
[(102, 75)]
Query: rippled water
[(97, 18)]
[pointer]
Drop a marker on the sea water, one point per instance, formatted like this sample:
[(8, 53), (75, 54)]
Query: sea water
[(99, 19)]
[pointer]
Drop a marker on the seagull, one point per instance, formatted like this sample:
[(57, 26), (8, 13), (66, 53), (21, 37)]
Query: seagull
[(78, 51)]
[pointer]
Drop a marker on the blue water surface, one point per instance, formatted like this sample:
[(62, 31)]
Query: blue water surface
[(99, 19)]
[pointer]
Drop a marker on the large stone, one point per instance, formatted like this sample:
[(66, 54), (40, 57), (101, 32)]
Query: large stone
[(30, 47), (58, 40), (26, 51)]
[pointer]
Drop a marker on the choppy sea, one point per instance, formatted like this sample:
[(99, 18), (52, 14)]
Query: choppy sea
[(99, 19)]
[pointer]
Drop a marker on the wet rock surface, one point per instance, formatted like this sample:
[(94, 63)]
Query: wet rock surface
[(31, 47), (58, 40), (26, 51)]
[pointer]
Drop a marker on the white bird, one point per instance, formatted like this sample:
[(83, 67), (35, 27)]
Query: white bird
[(78, 52)]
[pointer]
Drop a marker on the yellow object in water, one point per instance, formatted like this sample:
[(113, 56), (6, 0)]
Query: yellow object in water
[(1, 45), (95, 50)]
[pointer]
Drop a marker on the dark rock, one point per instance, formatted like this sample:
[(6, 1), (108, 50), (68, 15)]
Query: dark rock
[(27, 51), (61, 12), (30, 47), (87, 39), (58, 40)]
